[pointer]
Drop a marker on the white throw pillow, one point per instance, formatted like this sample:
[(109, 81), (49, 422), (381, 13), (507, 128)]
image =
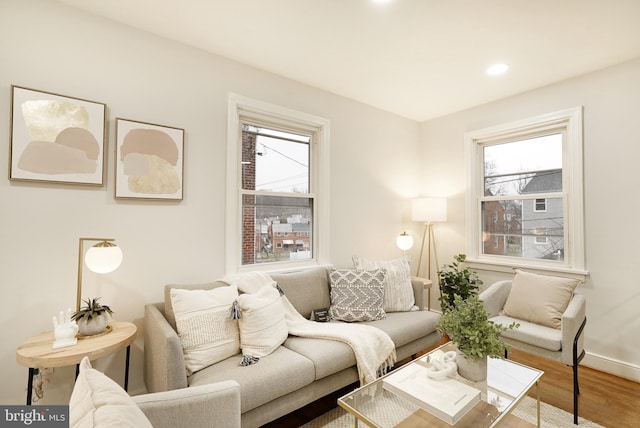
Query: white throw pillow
[(539, 299), (97, 401), (262, 323), (204, 324), (398, 292), (357, 295)]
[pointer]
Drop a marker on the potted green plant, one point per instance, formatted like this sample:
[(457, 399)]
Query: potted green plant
[(92, 318), (467, 325), (456, 279)]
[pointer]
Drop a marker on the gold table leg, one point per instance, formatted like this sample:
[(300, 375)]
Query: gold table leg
[(538, 396)]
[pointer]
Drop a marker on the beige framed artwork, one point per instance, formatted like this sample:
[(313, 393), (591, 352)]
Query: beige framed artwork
[(149, 161), (56, 138)]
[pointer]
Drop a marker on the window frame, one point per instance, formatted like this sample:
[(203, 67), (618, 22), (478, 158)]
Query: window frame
[(569, 122), (241, 108)]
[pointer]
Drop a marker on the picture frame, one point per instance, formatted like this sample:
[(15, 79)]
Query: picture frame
[(56, 138), (149, 162)]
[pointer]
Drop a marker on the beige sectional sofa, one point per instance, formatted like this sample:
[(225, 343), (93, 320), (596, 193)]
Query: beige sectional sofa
[(299, 371)]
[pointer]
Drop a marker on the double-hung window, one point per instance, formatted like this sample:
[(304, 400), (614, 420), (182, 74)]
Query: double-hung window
[(277, 181), (528, 174)]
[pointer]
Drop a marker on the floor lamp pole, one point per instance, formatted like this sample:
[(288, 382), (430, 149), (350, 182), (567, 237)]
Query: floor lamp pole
[(426, 233), (430, 233)]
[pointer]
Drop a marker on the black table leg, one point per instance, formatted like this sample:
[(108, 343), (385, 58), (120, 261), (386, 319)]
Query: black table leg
[(30, 386), (126, 369)]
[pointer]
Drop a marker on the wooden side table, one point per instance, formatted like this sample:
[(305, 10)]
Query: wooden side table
[(38, 351), (427, 283)]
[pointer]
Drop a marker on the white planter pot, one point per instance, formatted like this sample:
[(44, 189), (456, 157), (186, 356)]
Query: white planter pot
[(95, 326), (471, 369)]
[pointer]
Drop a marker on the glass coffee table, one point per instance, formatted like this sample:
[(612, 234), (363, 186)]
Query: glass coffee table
[(506, 386)]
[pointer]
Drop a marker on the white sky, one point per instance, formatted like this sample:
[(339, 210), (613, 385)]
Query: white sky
[(283, 167), (525, 155)]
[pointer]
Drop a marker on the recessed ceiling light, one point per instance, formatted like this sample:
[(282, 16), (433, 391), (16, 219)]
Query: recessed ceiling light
[(497, 69)]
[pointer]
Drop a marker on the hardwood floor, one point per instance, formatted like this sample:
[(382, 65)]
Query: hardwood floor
[(608, 400)]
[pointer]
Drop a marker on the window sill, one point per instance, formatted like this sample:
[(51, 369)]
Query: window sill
[(280, 267), (508, 267)]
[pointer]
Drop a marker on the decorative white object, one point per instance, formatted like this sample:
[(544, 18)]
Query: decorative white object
[(64, 330), (441, 364)]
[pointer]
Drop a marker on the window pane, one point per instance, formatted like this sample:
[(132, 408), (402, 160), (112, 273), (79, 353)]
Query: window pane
[(521, 231), (274, 161), (276, 228), (506, 185), (502, 228), (543, 231), (509, 167)]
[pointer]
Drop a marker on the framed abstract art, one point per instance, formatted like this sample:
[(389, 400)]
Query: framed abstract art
[(56, 138), (149, 161)]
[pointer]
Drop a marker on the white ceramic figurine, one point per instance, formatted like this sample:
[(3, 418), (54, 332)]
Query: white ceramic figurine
[(64, 330)]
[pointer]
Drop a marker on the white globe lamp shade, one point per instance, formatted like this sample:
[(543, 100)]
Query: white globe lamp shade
[(104, 257), (404, 241)]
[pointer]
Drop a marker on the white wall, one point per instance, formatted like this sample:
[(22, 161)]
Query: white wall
[(50, 47), (611, 152)]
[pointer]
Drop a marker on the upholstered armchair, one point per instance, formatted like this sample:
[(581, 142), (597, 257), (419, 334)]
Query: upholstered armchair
[(97, 401), (551, 317), (212, 405)]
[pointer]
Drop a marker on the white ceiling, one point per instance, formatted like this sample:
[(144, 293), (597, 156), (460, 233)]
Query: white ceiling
[(417, 58)]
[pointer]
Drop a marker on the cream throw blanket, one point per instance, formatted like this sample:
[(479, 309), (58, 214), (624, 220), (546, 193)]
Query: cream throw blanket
[(374, 350)]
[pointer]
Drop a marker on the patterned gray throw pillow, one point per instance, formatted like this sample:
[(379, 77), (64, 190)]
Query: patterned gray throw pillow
[(357, 295), (398, 292)]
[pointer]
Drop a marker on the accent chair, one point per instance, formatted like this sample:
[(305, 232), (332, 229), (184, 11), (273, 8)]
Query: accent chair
[(551, 317)]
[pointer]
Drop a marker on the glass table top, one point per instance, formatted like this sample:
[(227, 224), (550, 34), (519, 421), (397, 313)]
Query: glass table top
[(391, 401)]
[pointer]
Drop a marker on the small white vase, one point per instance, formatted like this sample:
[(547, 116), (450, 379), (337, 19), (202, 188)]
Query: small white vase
[(94, 326), (471, 369)]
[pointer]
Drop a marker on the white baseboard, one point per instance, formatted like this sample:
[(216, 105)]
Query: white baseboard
[(614, 367)]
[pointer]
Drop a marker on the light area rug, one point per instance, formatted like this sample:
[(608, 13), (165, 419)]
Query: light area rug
[(550, 417)]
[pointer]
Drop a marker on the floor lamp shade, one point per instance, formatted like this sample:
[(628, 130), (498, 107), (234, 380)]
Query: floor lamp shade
[(103, 257), (429, 209)]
